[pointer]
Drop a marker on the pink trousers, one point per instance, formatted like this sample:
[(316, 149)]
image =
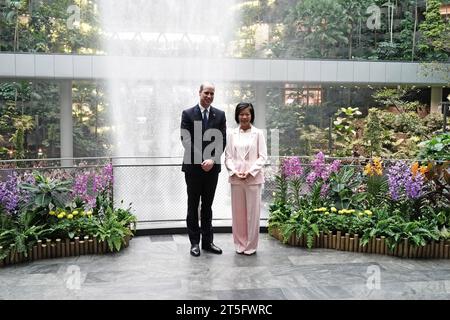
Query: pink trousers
[(246, 206)]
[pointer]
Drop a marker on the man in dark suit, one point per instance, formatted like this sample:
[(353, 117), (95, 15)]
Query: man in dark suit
[(203, 134)]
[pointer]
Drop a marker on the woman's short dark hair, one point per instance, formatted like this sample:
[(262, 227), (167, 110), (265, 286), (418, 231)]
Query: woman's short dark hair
[(241, 106)]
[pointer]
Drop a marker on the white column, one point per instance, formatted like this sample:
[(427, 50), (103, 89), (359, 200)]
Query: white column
[(66, 123), (260, 105), (436, 99)]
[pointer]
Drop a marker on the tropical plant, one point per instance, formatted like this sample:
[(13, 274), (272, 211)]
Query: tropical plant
[(376, 183), (47, 193), (111, 229), (318, 26), (372, 138), (304, 222), (345, 130), (434, 41), (343, 189), (21, 234), (437, 148)]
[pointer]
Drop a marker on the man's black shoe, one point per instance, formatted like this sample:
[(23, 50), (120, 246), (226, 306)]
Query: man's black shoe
[(211, 247), (195, 250)]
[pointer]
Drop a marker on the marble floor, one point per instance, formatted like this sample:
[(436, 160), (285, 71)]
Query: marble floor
[(159, 267)]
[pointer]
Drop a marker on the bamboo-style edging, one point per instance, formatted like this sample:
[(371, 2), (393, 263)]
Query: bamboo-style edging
[(352, 243), (59, 248)]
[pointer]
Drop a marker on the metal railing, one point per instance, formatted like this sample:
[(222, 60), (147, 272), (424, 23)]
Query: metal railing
[(155, 186)]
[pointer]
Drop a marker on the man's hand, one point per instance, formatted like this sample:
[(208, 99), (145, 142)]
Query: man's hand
[(207, 165)]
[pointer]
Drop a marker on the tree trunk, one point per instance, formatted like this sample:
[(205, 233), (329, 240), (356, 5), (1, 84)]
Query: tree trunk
[(414, 33), (350, 45)]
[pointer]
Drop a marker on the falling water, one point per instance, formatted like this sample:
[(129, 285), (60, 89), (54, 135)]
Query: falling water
[(159, 52)]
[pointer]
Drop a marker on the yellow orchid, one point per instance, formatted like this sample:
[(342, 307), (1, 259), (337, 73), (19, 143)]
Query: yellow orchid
[(368, 170), (374, 167)]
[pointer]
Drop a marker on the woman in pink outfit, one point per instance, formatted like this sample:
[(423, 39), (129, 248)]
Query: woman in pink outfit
[(245, 156)]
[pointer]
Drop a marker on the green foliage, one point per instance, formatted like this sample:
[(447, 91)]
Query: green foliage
[(298, 132), (432, 123), (46, 29), (343, 189), (396, 229), (111, 229), (317, 27), (21, 234), (434, 43), (279, 212), (344, 130), (350, 195), (396, 97), (377, 189), (372, 137), (79, 226), (437, 148), (45, 215), (47, 193), (302, 223), (22, 124)]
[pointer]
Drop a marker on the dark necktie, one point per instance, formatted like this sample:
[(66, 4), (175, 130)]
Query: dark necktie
[(205, 119)]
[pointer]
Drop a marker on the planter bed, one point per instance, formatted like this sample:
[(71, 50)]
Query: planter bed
[(59, 248), (347, 242)]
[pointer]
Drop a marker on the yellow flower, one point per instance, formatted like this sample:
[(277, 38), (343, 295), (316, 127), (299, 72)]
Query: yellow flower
[(368, 169), (89, 212), (341, 211), (423, 169), (70, 216), (326, 212), (368, 212), (52, 213), (75, 212), (378, 170), (374, 167), (415, 168), (360, 214), (333, 209), (60, 216)]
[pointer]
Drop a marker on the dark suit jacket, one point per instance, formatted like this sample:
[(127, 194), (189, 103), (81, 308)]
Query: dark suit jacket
[(194, 146)]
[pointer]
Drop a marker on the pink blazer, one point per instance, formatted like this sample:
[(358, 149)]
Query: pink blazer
[(253, 161)]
